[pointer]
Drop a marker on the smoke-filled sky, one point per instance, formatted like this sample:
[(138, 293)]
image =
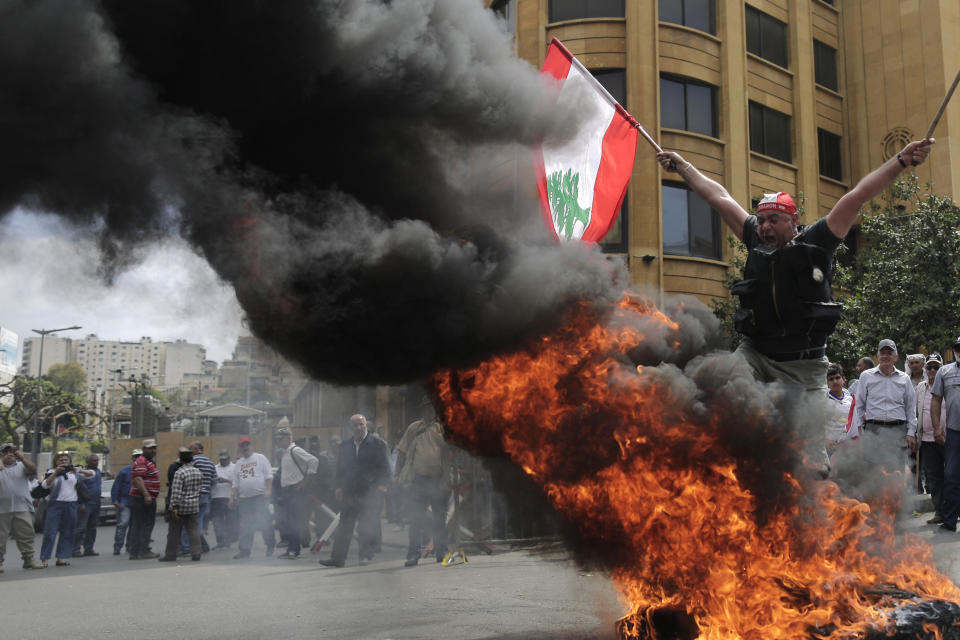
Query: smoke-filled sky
[(358, 170)]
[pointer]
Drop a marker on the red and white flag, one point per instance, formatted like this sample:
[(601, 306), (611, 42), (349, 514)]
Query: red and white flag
[(582, 179)]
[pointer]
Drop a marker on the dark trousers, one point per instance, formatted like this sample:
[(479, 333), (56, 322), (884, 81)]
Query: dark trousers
[(189, 524), (294, 520), (433, 493), (932, 462), (224, 521), (142, 518), (88, 517), (202, 516), (253, 515), (362, 512), (950, 502)]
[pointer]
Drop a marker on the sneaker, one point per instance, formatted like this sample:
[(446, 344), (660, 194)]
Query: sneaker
[(30, 564), (330, 563), (411, 562), (935, 520), (289, 556)]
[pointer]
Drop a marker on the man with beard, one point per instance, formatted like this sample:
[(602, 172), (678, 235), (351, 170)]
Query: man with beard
[(143, 502), (16, 505), (946, 389), (363, 474)]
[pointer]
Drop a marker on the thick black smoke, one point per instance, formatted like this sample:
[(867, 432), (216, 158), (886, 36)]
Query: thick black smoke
[(358, 170)]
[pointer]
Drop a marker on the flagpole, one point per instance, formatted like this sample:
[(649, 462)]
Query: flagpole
[(648, 137), (943, 106)]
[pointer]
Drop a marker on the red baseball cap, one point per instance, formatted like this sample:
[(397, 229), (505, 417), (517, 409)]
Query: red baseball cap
[(779, 201), (243, 440)]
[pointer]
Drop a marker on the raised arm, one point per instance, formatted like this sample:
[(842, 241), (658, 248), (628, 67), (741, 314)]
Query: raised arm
[(710, 190), (844, 213)]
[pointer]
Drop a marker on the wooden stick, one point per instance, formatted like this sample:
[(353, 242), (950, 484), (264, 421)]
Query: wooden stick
[(943, 106), (650, 139)]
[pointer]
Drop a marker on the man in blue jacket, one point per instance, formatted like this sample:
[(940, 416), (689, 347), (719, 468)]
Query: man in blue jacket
[(120, 497), (88, 510)]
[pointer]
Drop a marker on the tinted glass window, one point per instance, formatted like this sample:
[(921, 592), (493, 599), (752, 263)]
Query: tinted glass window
[(690, 227), (825, 65), (688, 105), (614, 81), (696, 14), (577, 9), (831, 164), (672, 107), (766, 36), (676, 227), (770, 132)]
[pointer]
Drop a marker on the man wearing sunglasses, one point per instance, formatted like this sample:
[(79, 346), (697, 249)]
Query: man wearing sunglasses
[(931, 451)]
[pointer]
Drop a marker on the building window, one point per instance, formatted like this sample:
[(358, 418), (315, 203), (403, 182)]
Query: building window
[(831, 165), (825, 65), (506, 10), (690, 226), (688, 105), (770, 132), (577, 9), (615, 82), (696, 14), (766, 37)]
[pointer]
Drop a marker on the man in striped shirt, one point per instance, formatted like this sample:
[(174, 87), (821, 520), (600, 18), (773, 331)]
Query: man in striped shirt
[(209, 471), (184, 507), (143, 502)]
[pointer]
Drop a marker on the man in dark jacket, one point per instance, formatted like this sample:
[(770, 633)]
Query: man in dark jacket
[(363, 475), (88, 511)]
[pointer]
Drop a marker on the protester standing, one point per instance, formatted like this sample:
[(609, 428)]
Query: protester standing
[(88, 510), (184, 508), (224, 518), (143, 501), (209, 471), (16, 504), (250, 496), (946, 391), (931, 451), (120, 497), (61, 518), (297, 469)]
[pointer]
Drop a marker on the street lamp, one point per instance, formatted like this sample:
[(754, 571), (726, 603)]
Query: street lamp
[(36, 427)]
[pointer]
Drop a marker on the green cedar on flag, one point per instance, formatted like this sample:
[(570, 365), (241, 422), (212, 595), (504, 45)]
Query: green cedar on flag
[(582, 180)]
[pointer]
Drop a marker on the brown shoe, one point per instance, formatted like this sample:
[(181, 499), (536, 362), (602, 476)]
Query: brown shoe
[(935, 520), (30, 564)]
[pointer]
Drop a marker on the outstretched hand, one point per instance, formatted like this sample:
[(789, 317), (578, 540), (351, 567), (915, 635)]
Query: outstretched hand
[(917, 151), (671, 161)]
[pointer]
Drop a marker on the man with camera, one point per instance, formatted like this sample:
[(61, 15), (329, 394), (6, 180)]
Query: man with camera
[(16, 505)]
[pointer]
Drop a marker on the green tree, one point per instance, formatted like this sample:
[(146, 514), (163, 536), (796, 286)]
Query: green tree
[(20, 406), (904, 282), (69, 377)]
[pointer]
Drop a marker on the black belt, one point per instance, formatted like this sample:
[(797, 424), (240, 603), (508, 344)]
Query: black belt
[(887, 423), (806, 354)]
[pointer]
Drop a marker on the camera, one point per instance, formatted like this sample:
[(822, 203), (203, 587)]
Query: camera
[(69, 468)]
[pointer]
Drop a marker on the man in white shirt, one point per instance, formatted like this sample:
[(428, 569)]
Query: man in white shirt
[(224, 518), (885, 397), (930, 451), (16, 505), (297, 468), (252, 480)]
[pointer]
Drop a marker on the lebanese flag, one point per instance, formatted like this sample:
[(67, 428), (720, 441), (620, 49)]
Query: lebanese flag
[(582, 180)]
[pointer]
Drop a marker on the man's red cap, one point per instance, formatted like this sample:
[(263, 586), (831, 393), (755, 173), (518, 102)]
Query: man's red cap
[(243, 440), (779, 201)]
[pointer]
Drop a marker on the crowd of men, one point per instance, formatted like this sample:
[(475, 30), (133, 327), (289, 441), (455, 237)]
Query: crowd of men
[(237, 498), (918, 408)]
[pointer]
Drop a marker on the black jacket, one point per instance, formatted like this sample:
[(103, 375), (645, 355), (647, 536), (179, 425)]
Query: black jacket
[(360, 471)]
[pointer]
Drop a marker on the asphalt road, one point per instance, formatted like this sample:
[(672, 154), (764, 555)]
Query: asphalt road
[(514, 594)]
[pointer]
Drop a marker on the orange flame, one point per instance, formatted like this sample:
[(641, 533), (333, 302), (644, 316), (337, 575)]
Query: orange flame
[(639, 475)]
